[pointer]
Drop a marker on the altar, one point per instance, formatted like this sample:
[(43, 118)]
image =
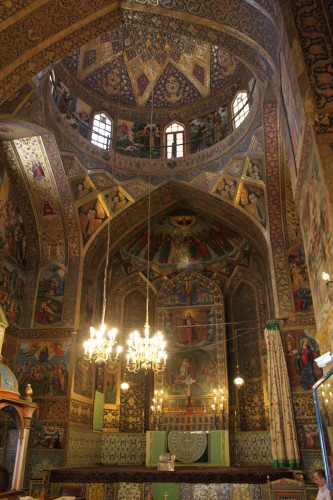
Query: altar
[(202, 448)]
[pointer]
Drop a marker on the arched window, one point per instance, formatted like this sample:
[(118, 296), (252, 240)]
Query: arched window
[(240, 108), (102, 128), (174, 135)]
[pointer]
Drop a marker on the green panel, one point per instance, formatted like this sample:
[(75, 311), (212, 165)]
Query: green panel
[(165, 491), (156, 446), (98, 411), (218, 448)]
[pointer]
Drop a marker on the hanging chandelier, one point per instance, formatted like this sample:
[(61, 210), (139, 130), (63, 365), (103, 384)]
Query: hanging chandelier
[(100, 348), (145, 352)]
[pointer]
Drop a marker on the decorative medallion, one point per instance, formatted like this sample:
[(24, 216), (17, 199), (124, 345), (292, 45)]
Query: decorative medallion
[(187, 446)]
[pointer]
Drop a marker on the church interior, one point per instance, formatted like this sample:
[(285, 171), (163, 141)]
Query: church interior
[(165, 166)]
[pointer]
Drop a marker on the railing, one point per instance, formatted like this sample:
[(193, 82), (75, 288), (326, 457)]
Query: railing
[(149, 149)]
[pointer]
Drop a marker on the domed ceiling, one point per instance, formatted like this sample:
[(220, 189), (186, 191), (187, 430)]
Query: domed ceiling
[(134, 66)]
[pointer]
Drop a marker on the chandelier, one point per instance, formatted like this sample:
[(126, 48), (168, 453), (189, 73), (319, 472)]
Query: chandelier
[(147, 353), (100, 347)]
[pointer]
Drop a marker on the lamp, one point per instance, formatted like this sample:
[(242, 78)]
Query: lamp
[(99, 348), (147, 353), (326, 278), (238, 380)]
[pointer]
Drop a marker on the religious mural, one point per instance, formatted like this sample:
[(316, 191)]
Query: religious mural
[(112, 386), (138, 139), (12, 283), (71, 108), (81, 187), (84, 377), (209, 129), (318, 238), (301, 349), (189, 313), (226, 188), (185, 239), (300, 280), (293, 107), (13, 239), (92, 215), (87, 302), (255, 169), (44, 365), (47, 435), (252, 199), (117, 199), (50, 296), (16, 99), (308, 436)]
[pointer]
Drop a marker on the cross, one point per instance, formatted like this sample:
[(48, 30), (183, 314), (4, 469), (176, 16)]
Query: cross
[(165, 495), (188, 382)]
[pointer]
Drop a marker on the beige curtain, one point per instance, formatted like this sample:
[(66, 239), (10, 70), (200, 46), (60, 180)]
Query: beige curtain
[(285, 450)]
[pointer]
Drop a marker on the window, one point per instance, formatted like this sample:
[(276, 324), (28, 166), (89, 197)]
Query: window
[(102, 128), (175, 140), (240, 108)]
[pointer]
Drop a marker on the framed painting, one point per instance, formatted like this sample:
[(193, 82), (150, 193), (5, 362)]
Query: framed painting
[(35, 488), (45, 365), (112, 387), (84, 376)]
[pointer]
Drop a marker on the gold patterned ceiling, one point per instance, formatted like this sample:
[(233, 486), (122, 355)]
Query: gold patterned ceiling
[(140, 66)]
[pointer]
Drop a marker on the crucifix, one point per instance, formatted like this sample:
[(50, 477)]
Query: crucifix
[(165, 496), (188, 382)]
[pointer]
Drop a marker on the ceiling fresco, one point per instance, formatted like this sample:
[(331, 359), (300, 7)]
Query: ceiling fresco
[(184, 239), (139, 66)]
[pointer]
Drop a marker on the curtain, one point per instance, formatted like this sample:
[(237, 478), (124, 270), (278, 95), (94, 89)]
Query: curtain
[(285, 450)]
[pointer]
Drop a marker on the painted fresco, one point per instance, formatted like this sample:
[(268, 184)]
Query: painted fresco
[(15, 100), (112, 387), (44, 365), (92, 215), (81, 187), (73, 110), (50, 296), (209, 129), (13, 239), (252, 199), (188, 327), (308, 436), (301, 349), (300, 280), (117, 199), (188, 312), (84, 377), (47, 435), (12, 283), (318, 239), (293, 107), (226, 188), (199, 364), (138, 139), (185, 239), (87, 302), (255, 169)]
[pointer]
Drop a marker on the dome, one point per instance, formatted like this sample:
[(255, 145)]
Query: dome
[(8, 383), (137, 66)]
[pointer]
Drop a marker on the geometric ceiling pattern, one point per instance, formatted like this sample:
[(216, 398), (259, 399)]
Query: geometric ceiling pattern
[(139, 65)]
